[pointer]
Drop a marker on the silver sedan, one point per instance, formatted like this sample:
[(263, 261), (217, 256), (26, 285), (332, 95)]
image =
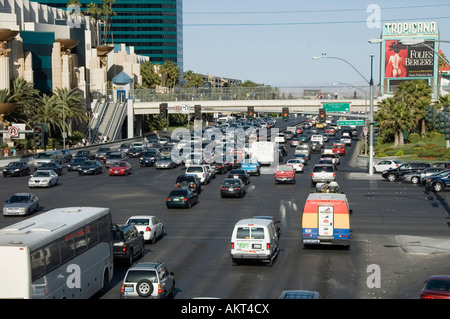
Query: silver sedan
[(21, 204)]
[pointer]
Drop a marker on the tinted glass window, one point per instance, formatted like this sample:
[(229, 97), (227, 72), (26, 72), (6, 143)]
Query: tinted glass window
[(136, 275)]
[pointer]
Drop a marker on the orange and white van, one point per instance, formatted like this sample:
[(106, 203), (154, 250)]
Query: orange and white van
[(326, 220)]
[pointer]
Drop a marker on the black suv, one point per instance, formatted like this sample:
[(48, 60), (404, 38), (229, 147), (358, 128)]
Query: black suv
[(398, 172), (128, 243), (189, 181)]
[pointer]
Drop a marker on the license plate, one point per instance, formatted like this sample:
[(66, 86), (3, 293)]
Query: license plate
[(230, 189), (311, 241), (176, 199), (115, 172), (129, 289)]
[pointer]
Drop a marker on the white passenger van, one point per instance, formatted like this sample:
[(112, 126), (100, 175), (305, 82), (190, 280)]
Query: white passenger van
[(254, 239)]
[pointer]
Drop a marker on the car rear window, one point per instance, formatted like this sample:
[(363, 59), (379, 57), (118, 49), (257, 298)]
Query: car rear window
[(140, 221), (137, 275), (442, 285), (285, 168), (195, 169), (250, 233), (325, 168)]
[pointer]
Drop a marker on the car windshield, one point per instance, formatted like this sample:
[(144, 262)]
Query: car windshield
[(14, 164), (165, 158), (18, 199), (137, 275), (138, 221), (41, 174), (89, 163)]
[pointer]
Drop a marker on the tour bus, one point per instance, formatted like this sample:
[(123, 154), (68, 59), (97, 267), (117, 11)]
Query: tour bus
[(326, 220), (65, 253)]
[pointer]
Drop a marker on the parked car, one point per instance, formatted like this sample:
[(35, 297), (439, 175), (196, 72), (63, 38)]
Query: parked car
[(148, 280), (232, 187), (322, 174), (396, 173), (43, 178), (436, 287), (21, 204), (441, 183), (383, 165), (189, 181), (120, 168), (285, 173), (182, 197), (16, 169), (429, 180), (90, 168), (51, 166), (128, 243), (151, 227), (241, 174), (417, 176)]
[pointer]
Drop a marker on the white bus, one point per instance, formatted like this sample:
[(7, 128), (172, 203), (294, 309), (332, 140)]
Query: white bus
[(64, 253)]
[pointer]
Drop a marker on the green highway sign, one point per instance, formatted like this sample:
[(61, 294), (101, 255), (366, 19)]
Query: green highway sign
[(337, 107), (350, 122)]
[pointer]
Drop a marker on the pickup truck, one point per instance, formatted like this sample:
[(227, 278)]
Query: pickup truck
[(322, 174), (251, 166), (285, 173)]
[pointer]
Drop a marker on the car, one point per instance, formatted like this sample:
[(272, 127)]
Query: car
[(445, 165), (148, 157), (294, 141), (151, 227), (46, 157), (418, 176), (181, 197), (347, 140), (120, 168), (396, 173), (21, 204), (220, 168), (75, 163), (165, 161), (282, 150), (44, 178), (86, 154), (303, 149), (124, 148), (114, 157), (16, 169), (339, 148), (386, 164), (252, 166), (322, 174), (67, 155), (441, 183), (150, 280), (297, 164), (201, 171), (436, 287), (135, 151), (332, 156), (232, 187), (189, 181), (430, 180), (128, 243), (241, 174), (302, 157), (285, 173), (101, 152), (51, 166), (90, 168)]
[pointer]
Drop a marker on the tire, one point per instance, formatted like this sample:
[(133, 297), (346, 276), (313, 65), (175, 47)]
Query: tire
[(415, 180), (391, 177), (144, 288), (437, 187)]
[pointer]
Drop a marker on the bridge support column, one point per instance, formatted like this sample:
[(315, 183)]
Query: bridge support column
[(130, 118)]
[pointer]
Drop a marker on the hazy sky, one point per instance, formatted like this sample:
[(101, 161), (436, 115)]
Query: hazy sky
[(273, 42)]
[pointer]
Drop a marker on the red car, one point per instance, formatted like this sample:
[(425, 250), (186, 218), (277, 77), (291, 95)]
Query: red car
[(285, 173), (339, 149), (120, 168), (436, 287)]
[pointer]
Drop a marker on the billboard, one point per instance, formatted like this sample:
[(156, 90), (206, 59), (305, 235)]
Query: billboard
[(401, 62)]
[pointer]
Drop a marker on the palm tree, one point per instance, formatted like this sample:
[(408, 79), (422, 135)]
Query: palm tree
[(95, 16), (27, 98), (395, 117), (72, 103), (47, 112), (170, 73)]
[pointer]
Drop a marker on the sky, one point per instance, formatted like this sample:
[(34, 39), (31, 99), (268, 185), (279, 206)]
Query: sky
[(272, 42)]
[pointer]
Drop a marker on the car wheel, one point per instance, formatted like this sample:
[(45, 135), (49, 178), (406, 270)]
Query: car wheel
[(144, 288), (437, 187), (391, 178), (415, 180)]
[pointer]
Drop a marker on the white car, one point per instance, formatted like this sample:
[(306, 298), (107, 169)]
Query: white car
[(152, 227), (44, 178), (386, 164), (297, 163)]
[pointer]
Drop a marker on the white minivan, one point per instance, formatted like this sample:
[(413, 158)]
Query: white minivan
[(254, 239)]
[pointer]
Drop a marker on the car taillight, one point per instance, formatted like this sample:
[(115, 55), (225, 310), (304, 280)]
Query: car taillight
[(124, 248), (122, 289), (148, 229), (168, 199), (268, 246), (159, 289), (232, 245), (185, 199)]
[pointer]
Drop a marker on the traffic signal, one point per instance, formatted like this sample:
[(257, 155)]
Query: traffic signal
[(163, 110), (198, 112), (251, 112), (40, 135), (285, 114), (322, 115)]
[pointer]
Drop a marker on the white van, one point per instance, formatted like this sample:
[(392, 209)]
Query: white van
[(201, 171), (317, 138), (254, 239)]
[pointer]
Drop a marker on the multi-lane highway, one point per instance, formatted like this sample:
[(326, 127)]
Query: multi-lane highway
[(397, 231)]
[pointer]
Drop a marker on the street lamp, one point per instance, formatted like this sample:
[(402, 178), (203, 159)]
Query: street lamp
[(370, 82)]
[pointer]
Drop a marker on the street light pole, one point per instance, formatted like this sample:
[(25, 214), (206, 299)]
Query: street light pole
[(370, 82)]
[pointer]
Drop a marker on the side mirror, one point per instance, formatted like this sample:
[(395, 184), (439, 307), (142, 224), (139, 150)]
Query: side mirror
[(351, 212)]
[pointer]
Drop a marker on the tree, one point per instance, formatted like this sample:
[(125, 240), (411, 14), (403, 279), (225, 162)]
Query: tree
[(394, 116), (150, 78), (47, 112), (73, 103), (95, 16), (27, 98), (170, 74), (107, 13), (193, 79)]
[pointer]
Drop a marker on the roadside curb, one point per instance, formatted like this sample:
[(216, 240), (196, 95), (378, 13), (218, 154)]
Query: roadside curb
[(423, 245)]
